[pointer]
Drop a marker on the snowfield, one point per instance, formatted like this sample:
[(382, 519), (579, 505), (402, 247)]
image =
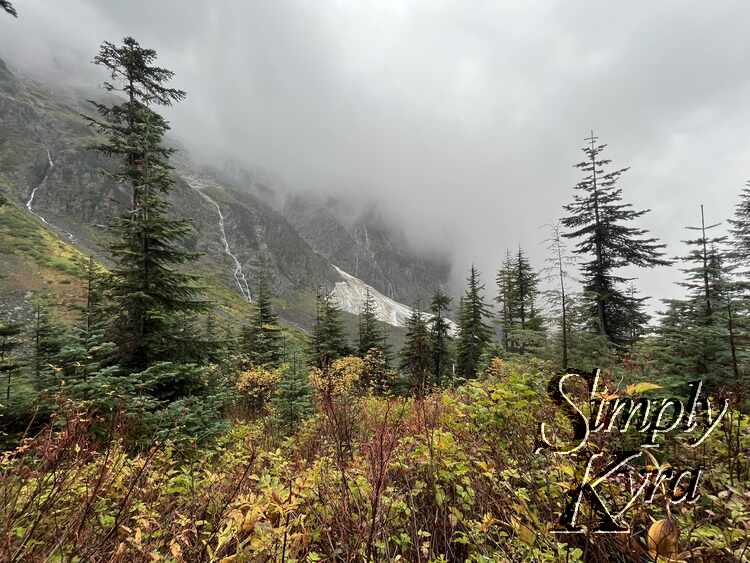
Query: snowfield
[(350, 294)]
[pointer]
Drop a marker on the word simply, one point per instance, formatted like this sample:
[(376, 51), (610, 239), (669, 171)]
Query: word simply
[(651, 418)]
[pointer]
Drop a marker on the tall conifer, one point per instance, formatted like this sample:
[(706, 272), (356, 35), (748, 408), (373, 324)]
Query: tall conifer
[(149, 290), (602, 224), (474, 334)]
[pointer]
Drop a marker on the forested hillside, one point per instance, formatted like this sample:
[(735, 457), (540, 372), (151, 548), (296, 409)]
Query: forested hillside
[(182, 379)]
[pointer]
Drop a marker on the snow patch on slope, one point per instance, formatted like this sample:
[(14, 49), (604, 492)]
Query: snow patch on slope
[(350, 294)]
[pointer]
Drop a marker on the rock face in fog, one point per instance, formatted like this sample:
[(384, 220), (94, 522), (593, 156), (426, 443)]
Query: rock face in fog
[(48, 169)]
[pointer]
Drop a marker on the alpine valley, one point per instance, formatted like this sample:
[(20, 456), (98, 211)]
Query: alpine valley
[(57, 200)]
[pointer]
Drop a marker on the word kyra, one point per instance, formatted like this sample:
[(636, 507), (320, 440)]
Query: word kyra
[(651, 419)]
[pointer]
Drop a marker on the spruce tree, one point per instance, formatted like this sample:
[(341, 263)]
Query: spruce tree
[(473, 334), (439, 335), (150, 292), (263, 338), (8, 7), (601, 223), (9, 363), (416, 359)]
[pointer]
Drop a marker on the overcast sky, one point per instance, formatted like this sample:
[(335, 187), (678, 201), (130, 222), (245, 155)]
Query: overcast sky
[(463, 119)]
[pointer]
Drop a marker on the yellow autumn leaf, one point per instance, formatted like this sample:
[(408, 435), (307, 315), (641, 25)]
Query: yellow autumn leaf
[(176, 550), (642, 387)]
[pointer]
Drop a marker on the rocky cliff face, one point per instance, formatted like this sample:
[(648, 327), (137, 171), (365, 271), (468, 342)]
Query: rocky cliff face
[(48, 170), (366, 247)]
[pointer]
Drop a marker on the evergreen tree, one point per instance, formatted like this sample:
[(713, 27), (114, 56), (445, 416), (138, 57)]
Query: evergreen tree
[(439, 335), (371, 332), (9, 364), (416, 358), (8, 7), (377, 377), (87, 352), (699, 334), (506, 297), (637, 318), (327, 342), (473, 333), (263, 338), (47, 338), (149, 290), (601, 222), (293, 399), (518, 288), (740, 230)]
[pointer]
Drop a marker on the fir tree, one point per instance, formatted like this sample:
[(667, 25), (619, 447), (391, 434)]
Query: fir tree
[(416, 359), (740, 230), (292, 401), (371, 331), (377, 377), (87, 352), (9, 364), (47, 339), (699, 334), (439, 335), (506, 297), (8, 7), (473, 333), (518, 288), (600, 221), (328, 342), (263, 338), (149, 291), (637, 319)]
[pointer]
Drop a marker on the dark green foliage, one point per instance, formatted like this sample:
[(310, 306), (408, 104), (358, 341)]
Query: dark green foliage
[(8, 7), (705, 332), (293, 399), (518, 289), (327, 342), (473, 332), (149, 291), (439, 336), (48, 338), (740, 229), (371, 331), (9, 363), (600, 222), (377, 377), (416, 356), (86, 352), (263, 338)]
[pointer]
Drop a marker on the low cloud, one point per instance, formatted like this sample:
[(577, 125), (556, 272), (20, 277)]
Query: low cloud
[(462, 120)]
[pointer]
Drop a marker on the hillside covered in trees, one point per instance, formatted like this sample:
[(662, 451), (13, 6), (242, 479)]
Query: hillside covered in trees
[(154, 410)]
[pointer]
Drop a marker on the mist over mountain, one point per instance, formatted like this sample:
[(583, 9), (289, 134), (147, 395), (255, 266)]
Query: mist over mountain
[(475, 119)]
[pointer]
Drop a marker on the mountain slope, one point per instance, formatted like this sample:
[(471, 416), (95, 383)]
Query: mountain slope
[(51, 177)]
